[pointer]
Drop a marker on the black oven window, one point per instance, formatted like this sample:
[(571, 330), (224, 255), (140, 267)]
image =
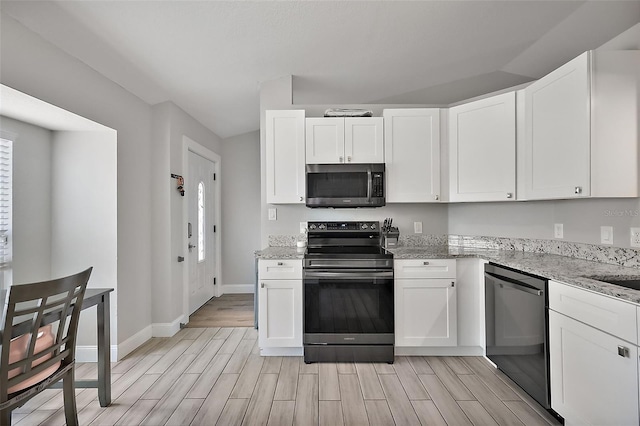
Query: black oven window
[(337, 185), (348, 307)]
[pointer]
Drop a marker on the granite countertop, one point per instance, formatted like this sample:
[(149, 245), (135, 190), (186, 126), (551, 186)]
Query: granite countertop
[(559, 268)]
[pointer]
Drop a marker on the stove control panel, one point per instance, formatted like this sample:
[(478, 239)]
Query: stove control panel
[(342, 226)]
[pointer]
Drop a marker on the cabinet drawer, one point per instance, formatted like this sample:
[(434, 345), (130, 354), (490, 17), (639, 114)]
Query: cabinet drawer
[(425, 268), (280, 269), (612, 316)]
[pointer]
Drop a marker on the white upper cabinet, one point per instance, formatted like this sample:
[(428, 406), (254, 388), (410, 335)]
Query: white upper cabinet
[(581, 127), (344, 140), (412, 155), (285, 162), (482, 150)]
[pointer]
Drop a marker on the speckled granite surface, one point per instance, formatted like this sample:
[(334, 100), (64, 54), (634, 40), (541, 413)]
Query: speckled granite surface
[(281, 253), (567, 262), (560, 268)]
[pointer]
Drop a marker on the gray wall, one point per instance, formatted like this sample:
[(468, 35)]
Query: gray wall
[(31, 200), (240, 207), (34, 66), (581, 219)]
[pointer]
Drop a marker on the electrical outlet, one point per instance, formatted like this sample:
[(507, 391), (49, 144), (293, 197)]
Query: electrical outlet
[(272, 214), (558, 230), (417, 227), (303, 227), (635, 237), (606, 235)]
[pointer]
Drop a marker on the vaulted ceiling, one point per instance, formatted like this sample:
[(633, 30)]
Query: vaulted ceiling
[(209, 57)]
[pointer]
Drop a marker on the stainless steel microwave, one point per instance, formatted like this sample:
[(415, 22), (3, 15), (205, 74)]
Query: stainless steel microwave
[(345, 185)]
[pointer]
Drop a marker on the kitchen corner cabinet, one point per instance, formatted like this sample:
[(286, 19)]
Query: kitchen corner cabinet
[(593, 357), (285, 156), (334, 140), (482, 150), (280, 303), (412, 155), (425, 302), (581, 127)]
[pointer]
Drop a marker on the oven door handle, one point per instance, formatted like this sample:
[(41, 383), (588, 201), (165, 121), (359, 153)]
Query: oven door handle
[(349, 275), (520, 287)]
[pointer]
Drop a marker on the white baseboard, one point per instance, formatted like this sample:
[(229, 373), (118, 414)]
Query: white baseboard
[(237, 288), (282, 351), (128, 346), (89, 353), (166, 329), (440, 351)]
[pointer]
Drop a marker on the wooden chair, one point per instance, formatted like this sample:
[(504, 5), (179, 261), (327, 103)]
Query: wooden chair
[(29, 365)]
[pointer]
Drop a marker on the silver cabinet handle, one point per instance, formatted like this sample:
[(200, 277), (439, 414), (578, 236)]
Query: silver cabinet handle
[(509, 195), (349, 159), (261, 285), (341, 159), (301, 198), (280, 263), (425, 263), (623, 351), (437, 197), (578, 190)]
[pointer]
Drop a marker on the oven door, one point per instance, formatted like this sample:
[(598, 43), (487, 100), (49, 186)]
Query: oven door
[(348, 307)]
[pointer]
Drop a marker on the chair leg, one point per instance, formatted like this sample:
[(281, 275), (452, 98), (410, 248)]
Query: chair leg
[(69, 394), (5, 417)]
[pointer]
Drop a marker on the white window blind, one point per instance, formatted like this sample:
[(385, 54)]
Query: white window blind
[(6, 186)]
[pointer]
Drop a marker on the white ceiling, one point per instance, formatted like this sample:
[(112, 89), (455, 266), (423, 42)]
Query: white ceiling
[(209, 57)]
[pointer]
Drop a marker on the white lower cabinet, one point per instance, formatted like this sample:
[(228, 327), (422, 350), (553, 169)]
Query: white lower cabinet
[(280, 305), (594, 374), (425, 303)]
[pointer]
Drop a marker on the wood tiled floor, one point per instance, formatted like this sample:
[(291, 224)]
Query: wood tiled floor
[(228, 310), (209, 376)]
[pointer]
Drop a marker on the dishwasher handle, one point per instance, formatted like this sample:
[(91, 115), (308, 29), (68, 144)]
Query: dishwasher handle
[(514, 285)]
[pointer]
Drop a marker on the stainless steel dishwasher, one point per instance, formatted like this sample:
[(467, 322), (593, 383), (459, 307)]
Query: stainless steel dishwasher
[(517, 328)]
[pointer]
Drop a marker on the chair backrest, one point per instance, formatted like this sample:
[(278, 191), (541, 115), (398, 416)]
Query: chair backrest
[(28, 312)]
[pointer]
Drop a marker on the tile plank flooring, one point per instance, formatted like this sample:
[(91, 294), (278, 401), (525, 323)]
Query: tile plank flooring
[(209, 376)]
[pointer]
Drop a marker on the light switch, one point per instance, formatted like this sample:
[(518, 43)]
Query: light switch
[(417, 227), (606, 234), (558, 230)]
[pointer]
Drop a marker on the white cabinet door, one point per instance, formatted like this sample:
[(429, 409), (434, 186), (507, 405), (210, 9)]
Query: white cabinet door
[(591, 383), (425, 312), (285, 163), (325, 140), (557, 133), (280, 313), (482, 150), (363, 140), (412, 155)]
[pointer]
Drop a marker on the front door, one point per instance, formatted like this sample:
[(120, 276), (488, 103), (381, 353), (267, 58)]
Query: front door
[(200, 187)]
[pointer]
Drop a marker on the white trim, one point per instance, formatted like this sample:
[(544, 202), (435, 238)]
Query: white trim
[(282, 351), (440, 351), (89, 353), (133, 342), (237, 288), (166, 329), (191, 145)]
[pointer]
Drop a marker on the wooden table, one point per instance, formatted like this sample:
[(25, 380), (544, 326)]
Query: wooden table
[(92, 297)]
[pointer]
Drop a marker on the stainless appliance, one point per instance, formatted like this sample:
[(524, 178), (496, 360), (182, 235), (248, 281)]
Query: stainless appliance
[(348, 294), (517, 328), (345, 185)]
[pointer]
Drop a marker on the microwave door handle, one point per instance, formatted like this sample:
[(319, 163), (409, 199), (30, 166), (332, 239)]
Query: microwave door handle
[(514, 286), (369, 184)]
